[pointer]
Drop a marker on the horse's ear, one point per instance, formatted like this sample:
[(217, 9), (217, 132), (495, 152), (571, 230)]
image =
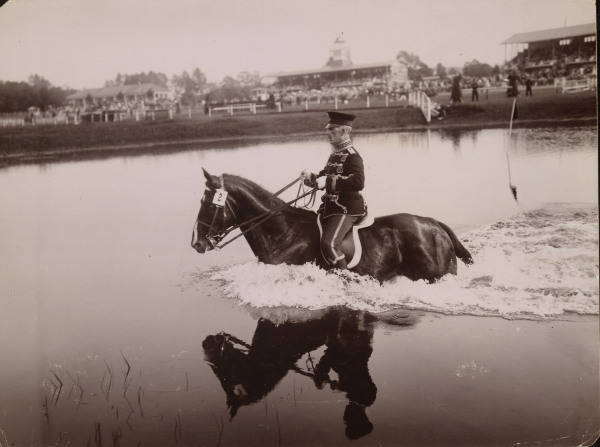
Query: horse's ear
[(211, 180)]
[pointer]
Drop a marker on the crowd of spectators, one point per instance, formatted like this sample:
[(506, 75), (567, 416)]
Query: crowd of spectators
[(544, 66)]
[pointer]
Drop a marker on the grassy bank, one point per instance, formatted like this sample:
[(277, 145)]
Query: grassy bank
[(546, 108)]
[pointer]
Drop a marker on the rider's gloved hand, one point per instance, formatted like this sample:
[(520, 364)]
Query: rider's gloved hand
[(309, 178), (320, 182)]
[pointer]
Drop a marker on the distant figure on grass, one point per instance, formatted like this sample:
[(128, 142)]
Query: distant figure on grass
[(528, 89), (456, 94), (342, 177), (513, 85), (475, 91)]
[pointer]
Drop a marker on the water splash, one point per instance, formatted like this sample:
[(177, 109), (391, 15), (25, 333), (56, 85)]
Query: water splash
[(537, 265)]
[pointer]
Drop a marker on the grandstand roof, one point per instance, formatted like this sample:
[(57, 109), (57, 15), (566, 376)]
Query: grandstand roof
[(553, 34), (327, 69), (109, 92)]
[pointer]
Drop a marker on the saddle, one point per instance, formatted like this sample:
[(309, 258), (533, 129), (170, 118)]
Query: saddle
[(351, 245)]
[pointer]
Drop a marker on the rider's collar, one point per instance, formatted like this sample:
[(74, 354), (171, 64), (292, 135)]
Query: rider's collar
[(338, 147)]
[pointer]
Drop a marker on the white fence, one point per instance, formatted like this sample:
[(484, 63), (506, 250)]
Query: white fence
[(576, 85), (421, 100), (12, 122), (232, 108), (20, 122)]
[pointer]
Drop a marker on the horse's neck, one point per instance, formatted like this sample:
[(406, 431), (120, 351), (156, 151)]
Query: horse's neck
[(252, 208), (274, 234)]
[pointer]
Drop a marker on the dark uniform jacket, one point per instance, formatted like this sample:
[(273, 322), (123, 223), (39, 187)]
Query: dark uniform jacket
[(345, 178)]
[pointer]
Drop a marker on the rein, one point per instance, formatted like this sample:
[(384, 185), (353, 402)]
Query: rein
[(215, 240)]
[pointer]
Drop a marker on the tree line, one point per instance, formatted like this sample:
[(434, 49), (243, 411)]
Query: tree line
[(190, 88), (417, 69), (36, 92)]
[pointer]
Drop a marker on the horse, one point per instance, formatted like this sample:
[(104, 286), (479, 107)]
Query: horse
[(399, 244), (248, 372)]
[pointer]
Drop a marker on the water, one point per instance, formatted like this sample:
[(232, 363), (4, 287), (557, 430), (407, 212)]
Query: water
[(102, 291)]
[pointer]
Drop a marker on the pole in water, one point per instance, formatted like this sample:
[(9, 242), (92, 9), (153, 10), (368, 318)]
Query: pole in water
[(512, 187)]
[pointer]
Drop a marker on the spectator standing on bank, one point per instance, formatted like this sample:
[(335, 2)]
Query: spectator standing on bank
[(475, 92), (456, 94), (528, 89)]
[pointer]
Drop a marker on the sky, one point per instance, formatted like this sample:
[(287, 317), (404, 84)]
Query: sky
[(83, 43)]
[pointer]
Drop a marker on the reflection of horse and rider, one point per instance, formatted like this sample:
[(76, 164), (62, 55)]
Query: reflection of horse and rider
[(399, 244), (248, 372)]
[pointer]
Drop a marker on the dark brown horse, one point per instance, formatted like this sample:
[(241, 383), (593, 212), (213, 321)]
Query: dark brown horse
[(399, 244)]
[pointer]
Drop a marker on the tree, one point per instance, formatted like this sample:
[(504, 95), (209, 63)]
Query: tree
[(189, 88), (38, 81), (232, 89), (199, 79), (477, 69), (440, 70), (249, 79), (417, 69), (16, 96), (139, 78)]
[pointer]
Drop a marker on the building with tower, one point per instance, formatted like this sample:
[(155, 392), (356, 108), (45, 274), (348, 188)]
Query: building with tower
[(340, 71)]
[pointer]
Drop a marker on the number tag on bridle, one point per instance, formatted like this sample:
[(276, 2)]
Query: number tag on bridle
[(220, 197)]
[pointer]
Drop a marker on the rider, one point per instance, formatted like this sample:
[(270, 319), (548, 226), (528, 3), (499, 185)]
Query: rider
[(342, 177)]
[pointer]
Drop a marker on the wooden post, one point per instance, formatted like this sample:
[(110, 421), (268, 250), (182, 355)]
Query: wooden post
[(368, 101), (387, 100), (306, 103), (279, 106), (336, 102), (190, 112), (209, 111), (170, 113)]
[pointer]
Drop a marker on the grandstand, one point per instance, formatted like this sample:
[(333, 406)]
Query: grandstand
[(567, 52), (340, 72)]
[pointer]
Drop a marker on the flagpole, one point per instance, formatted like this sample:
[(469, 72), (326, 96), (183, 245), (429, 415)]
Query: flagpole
[(512, 187)]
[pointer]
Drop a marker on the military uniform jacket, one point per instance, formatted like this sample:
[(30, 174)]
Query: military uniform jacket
[(345, 178)]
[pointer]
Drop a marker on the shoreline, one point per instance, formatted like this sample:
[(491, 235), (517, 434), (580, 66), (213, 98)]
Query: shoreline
[(180, 145)]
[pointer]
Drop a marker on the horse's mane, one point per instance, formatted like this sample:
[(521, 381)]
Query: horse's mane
[(242, 185)]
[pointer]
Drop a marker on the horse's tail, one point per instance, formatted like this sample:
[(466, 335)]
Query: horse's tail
[(460, 250)]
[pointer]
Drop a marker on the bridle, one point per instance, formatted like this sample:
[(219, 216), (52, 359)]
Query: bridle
[(214, 239)]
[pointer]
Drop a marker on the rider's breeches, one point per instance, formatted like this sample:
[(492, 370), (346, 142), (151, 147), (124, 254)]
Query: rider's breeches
[(334, 229)]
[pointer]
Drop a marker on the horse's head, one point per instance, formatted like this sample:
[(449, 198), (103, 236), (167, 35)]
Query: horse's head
[(215, 216), (244, 378)]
